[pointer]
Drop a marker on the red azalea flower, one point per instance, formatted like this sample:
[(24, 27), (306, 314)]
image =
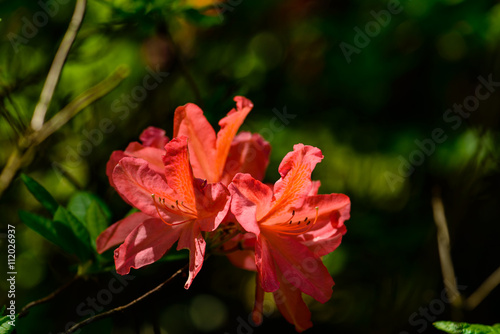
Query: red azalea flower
[(293, 227), (216, 159), (152, 149), (219, 158), (174, 206)]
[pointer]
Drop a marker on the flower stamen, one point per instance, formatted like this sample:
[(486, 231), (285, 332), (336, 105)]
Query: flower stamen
[(296, 229), (186, 209), (162, 203)]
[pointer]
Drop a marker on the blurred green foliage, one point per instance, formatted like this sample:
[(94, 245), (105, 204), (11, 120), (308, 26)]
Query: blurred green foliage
[(465, 328), (366, 115), (6, 326)]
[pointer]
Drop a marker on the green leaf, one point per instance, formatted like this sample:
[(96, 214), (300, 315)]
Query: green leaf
[(40, 193), (465, 328), (96, 222), (80, 237), (5, 327), (54, 232), (79, 204)]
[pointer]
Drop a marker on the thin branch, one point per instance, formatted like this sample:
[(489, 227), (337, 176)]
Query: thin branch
[(443, 238), (24, 310), (26, 144), (57, 65), (10, 169), (484, 290), (124, 307), (13, 121), (20, 123), (78, 104)]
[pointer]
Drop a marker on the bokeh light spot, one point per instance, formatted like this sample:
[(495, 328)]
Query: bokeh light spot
[(451, 46), (207, 313)]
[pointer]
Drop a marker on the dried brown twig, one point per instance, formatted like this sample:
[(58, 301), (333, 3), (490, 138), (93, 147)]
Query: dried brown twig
[(447, 269), (28, 142), (40, 129), (443, 238), (124, 307), (57, 65)]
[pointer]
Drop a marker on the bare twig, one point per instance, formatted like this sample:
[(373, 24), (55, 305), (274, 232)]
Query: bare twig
[(10, 169), (78, 104), (54, 294), (124, 307), (13, 121), (484, 290), (57, 65), (443, 238), (26, 144)]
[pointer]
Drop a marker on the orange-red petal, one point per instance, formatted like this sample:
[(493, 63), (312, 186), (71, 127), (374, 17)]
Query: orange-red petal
[(229, 126), (295, 182), (249, 153), (135, 181), (178, 171), (146, 244), (250, 199), (189, 121), (289, 301), (118, 232), (192, 239)]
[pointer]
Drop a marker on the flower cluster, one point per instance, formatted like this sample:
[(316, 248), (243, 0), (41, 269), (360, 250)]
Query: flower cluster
[(203, 190)]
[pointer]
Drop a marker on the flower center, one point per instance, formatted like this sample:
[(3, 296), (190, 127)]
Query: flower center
[(295, 227), (177, 209)]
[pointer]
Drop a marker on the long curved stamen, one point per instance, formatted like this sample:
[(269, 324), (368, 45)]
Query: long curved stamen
[(186, 209), (159, 214), (161, 201), (182, 209), (298, 228), (289, 220)]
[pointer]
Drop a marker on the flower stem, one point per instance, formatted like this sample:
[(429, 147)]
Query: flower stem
[(24, 310), (124, 307)]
